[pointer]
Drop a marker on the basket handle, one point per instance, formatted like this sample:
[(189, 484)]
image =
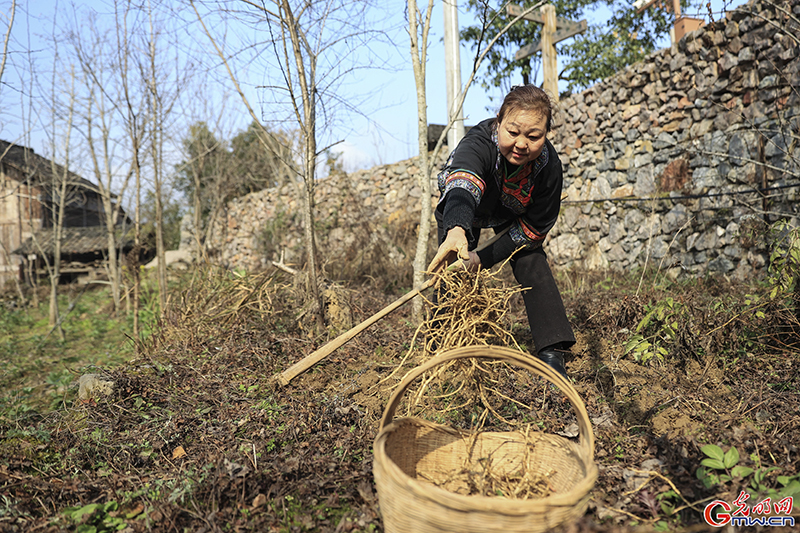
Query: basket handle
[(507, 355)]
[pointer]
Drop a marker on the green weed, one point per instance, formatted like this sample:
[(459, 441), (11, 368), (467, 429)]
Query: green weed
[(720, 467), (784, 260), (95, 517), (656, 331)]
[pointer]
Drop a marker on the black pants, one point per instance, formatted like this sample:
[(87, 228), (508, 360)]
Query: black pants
[(546, 314)]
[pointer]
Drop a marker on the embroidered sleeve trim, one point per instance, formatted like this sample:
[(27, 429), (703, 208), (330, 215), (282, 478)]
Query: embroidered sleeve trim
[(524, 235), (465, 180)]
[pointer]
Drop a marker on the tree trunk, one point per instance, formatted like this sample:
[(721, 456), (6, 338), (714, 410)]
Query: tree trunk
[(156, 140), (308, 91), (418, 61)]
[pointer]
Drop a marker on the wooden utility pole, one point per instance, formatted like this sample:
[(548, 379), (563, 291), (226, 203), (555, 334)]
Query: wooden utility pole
[(555, 29), (549, 59)]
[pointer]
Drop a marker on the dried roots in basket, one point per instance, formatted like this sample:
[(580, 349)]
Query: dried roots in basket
[(489, 476), (474, 395), (468, 309)]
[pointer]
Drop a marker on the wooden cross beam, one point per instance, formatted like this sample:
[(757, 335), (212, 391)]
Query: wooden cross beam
[(555, 29), (533, 16), (559, 35)]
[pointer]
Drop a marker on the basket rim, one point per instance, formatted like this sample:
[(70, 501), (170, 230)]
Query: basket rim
[(520, 359), (477, 503)]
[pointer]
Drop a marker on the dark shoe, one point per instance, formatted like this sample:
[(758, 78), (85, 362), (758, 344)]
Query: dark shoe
[(555, 359)]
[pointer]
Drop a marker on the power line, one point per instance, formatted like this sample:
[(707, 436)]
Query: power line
[(762, 191)]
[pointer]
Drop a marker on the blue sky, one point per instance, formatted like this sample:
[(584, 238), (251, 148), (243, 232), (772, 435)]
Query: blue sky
[(361, 151), (390, 105)]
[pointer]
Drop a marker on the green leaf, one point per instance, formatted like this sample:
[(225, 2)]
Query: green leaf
[(762, 473), (731, 457), (631, 343), (713, 451), (791, 489), (77, 513), (741, 471), (716, 464), (710, 481)]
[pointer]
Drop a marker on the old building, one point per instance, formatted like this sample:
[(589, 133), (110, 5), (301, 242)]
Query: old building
[(29, 190)]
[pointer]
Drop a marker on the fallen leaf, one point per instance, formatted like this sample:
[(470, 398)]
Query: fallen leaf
[(570, 431), (178, 452), (259, 500), (136, 511)]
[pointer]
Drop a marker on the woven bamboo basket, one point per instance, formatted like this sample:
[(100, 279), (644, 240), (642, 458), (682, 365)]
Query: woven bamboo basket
[(409, 450)]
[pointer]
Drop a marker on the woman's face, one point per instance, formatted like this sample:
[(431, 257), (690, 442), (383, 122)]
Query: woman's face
[(521, 136)]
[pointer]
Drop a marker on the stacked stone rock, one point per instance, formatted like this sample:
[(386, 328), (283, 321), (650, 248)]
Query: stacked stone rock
[(662, 162), (376, 197), (661, 159)]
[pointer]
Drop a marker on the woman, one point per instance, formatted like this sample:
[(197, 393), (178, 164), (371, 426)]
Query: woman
[(506, 175)]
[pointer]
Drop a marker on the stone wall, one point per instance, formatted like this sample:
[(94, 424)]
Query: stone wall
[(665, 159), (368, 206), (681, 161)]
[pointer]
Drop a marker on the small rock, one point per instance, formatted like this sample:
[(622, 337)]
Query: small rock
[(90, 387)]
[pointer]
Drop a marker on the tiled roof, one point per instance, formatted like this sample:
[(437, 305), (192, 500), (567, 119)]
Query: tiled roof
[(75, 241), (39, 169)]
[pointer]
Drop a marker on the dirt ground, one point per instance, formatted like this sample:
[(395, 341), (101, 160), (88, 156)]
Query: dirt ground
[(198, 436)]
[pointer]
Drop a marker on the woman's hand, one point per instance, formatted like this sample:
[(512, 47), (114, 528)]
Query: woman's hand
[(455, 246), (473, 264)]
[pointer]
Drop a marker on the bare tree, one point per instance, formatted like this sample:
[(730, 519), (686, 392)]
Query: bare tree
[(135, 131), (272, 145), (164, 73), (157, 111), (303, 35), (305, 56), (102, 107), (12, 12), (419, 27), (56, 183), (60, 191)]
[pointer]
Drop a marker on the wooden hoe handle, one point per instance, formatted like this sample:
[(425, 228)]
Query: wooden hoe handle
[(320, 353)]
